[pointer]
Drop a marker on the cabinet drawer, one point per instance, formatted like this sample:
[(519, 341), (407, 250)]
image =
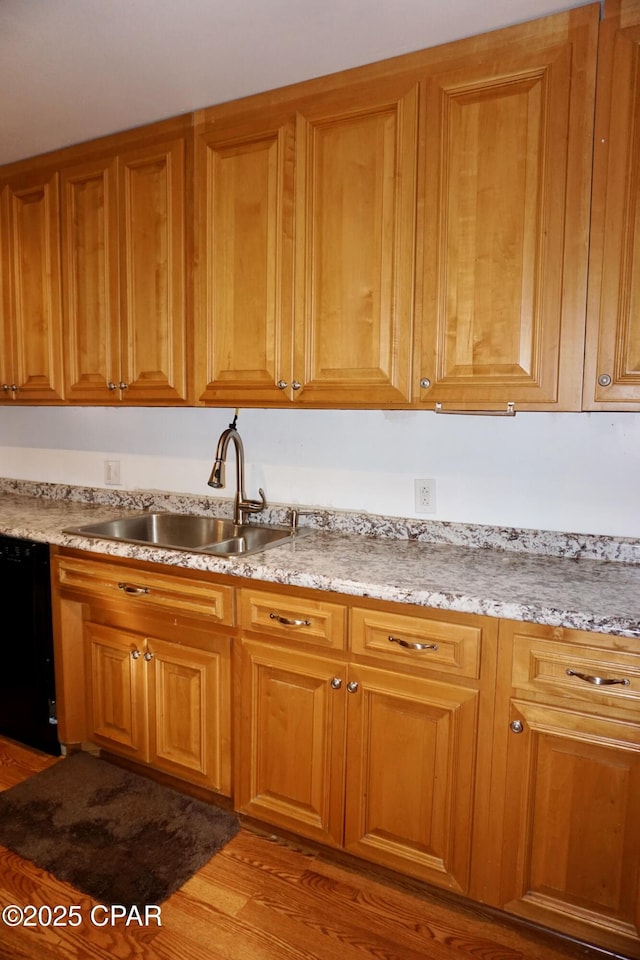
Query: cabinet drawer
[(425, 642), (554, 667), (297, 618), (153, 590)]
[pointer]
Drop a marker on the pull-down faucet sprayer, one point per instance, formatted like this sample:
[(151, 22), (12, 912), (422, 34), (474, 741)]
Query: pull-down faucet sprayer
[(242, 505)]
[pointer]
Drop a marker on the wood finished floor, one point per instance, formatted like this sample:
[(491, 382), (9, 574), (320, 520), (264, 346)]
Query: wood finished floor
[(262, 900)]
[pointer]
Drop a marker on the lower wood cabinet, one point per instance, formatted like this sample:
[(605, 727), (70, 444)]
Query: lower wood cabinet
[(161, 703), (143, 665), (568, 783), (496, 759), (379, 761), (410, 762)]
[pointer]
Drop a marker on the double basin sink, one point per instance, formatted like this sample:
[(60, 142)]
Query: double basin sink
[(177, 531)]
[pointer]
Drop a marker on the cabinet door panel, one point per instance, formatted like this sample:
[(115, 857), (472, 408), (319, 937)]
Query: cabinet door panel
[(152, 245), (190, 712), (612, 373), (90, 281), (507, 181), (411, 769), (355, 201), (117, 691), (6, 352), (245, 188), (34, 313), (291, 742), (571, 856)]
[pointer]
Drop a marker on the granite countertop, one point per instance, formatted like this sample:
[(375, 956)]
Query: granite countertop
[(578, 591)]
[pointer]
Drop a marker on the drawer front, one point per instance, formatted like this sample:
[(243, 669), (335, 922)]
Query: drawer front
[(426, 643), (296, 618), (151, 589), (581, 671)]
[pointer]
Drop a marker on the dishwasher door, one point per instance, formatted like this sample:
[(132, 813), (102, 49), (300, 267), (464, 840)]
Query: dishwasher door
[(27, 681)]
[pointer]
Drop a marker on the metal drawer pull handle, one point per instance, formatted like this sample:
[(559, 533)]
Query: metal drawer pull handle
[(597, 681), (132, 589), (413, 646), (509, 412), (289, 623)]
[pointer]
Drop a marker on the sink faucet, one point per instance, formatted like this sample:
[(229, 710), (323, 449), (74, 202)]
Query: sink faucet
[(242, 505)]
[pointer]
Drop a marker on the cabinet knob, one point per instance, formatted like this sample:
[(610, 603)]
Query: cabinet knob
[(604, 380), (10, 386), (148, 656), (282, 384), (425, 383), (122, 385), (352, 686), (296, 385), (516, 726), (135, 654), (111, 385), (336, 683)]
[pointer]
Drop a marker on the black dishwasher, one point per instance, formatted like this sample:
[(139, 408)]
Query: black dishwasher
[(27, 684)]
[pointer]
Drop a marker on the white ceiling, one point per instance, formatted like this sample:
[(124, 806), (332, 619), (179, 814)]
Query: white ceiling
[(71, 70)]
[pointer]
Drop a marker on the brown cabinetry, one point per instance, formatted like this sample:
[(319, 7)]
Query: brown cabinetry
[(152, 658), (496, 759), (306, 213), (30, 306), (124, 259), (412, 233), (383, 760), (507, 167), (568, 749), (612, 367)]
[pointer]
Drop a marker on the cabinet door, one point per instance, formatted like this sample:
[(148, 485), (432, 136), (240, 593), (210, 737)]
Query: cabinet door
[(571, 848), (190, 711), (244, 208), (152, 273), (6, 350), (117, 690), (31, 249), (508, 131), (291, 742), (356, 160), (411, 761), (90, 282), (612, 369)]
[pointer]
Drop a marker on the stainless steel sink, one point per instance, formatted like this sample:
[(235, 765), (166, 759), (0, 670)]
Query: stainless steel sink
[(179, 531)]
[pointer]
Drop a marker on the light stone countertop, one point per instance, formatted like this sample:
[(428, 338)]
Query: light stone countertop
[(583, 593)]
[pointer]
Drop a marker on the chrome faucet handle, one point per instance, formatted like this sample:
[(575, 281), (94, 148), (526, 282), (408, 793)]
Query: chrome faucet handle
[(245, 505)]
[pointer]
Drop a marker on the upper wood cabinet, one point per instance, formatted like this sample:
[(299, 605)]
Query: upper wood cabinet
[(612, 367), (244, 223), (30, 310), (320, 188), (414, 232), (507, 166), (124, 261)]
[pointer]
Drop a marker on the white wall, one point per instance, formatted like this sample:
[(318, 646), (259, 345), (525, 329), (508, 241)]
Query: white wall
[(570, 472)]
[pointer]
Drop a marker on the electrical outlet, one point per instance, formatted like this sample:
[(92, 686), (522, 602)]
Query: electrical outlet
[(112, 473), (425, 491)]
